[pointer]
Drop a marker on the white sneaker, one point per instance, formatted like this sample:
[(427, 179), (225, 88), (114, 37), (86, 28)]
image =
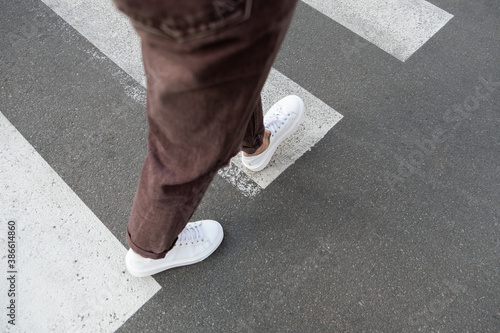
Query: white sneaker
[(195, 243), (282, 120)]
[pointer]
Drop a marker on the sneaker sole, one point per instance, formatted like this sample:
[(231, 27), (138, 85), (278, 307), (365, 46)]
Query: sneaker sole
[(179, 263)]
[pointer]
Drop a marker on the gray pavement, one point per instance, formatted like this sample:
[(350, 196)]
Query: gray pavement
[(389, 224)]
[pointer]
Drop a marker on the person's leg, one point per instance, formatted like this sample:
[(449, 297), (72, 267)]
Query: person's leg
[(254, 137), (205, 69)]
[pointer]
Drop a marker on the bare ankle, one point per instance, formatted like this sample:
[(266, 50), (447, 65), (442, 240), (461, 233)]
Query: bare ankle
[(263, 147)]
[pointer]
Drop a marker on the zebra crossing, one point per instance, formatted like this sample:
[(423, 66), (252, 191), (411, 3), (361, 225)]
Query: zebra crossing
[(60, 242), (399, 27), (51, 217)]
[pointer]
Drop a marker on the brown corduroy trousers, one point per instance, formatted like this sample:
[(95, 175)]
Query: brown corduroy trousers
[(206, 62)]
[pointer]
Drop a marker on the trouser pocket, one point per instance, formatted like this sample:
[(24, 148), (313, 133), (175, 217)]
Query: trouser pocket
[(185, 20)]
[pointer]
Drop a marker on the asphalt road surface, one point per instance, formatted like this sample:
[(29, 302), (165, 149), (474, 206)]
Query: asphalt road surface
[(386, 219)]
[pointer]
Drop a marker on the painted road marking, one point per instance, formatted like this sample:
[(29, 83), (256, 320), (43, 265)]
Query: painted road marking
[(112, 34), (319, 119), (399, 27), (70, 268)]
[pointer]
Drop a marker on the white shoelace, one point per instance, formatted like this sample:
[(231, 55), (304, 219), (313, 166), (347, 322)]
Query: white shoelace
[(277, 121), (190, 234)]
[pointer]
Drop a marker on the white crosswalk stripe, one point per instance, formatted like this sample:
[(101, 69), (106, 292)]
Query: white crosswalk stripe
[(319, 119), (71, 274), (57, 216), (111, 33), (399, 27)]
